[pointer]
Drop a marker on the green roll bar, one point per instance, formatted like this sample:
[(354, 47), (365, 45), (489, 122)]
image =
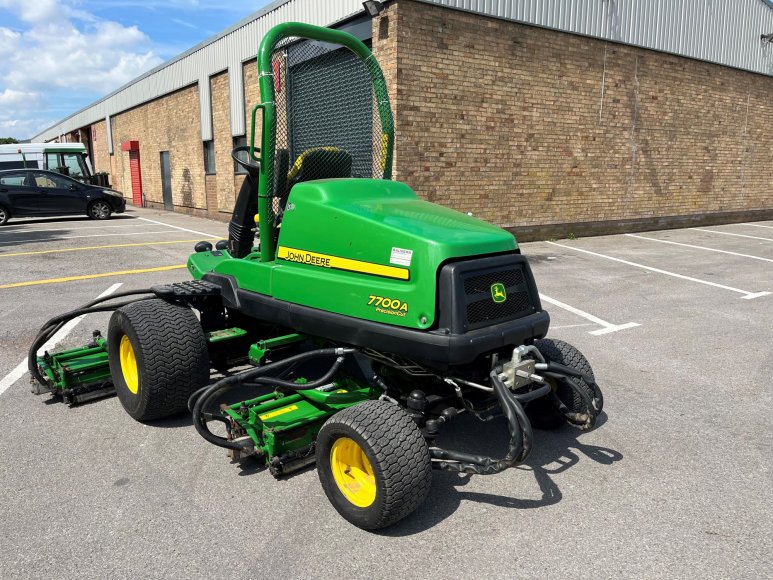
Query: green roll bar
[(266, 74)]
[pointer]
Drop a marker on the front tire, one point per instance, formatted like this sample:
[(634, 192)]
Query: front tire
[(374, 464), (5, 215), (99, 210), (158, 356)]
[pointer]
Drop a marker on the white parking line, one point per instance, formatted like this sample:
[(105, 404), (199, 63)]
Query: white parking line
[(700, 248), (757, 226), (14, 242), (179, 228), (6, 231), (732, 234), (746, 294), (17, 373), (607, 327)]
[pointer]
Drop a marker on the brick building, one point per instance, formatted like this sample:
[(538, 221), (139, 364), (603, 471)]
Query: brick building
[(547, 118)]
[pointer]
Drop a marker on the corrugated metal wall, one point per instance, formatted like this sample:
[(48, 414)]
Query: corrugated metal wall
[(721, 31)]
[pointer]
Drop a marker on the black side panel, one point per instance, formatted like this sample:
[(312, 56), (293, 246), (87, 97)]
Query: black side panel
[(438, 349), (241, 236)]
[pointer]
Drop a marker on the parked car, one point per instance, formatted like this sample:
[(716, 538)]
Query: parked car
[(35, 192)]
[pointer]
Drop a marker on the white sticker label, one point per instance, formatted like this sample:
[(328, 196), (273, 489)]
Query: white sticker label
[(401, 257)]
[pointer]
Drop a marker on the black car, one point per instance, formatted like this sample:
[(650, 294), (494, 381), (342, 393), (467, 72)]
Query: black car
[(34, 192)]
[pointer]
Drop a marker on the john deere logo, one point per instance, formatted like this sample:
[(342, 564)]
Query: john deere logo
[(498, 293)]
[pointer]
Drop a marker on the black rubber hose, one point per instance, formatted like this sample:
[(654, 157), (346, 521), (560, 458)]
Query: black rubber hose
[(519, 423), (276, 382), (53, 325), (590, 404), (521, 436), (63, 318), (241, 378), (531, 395), (598, 403), (565, 370)]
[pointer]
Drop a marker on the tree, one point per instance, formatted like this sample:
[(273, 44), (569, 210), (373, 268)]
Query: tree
[(7, 140)]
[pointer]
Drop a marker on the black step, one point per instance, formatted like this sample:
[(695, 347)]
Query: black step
[(191, 289)]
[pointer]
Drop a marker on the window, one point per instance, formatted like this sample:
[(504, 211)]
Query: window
[(74, 163), (209, 157), (243, 155), (12, 179), (52, 161), (51, 181)]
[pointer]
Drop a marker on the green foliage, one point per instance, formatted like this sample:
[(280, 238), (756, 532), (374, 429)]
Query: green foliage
[(8, 140)]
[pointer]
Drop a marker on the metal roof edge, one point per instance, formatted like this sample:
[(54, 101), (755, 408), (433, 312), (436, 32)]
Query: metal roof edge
[(440, 4)]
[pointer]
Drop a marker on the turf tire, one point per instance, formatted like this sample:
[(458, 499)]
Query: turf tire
[(171, 354), (397, 452), (541, 412)]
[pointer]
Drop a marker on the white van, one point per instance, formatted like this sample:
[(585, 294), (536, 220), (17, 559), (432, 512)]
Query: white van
[(66, 158)]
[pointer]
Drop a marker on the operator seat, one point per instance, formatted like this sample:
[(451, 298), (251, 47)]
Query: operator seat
[(312, 164)]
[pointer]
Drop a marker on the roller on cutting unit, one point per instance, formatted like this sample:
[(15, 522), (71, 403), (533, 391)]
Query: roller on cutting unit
[(361, 319)]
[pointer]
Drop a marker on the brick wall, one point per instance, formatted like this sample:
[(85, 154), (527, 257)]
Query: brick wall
[(251, 98), (223, 199), (384, 46), (549, 133), (170, 123), (100, 159)]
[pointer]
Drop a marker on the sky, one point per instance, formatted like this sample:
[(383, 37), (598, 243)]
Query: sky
[(58, 56)]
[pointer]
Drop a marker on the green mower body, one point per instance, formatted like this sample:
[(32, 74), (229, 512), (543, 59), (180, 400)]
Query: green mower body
[(366, 317), (365, 248)]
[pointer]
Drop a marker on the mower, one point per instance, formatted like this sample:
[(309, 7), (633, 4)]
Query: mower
[(361, 319)]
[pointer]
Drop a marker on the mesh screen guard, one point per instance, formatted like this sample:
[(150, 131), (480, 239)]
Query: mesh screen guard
[(327, 119), (326, 115)]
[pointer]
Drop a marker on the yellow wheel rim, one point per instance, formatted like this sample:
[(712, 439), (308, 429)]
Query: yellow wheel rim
[(352, 472), (129, 365)]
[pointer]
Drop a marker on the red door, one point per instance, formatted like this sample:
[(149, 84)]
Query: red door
[(133, 147), (134, 166)]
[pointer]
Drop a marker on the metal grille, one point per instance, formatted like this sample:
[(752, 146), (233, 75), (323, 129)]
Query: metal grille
[(487, 310), (481, 308), (482, 284), (327, 121)]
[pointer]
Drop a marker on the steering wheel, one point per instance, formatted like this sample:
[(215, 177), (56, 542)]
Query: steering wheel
[(248, 165)]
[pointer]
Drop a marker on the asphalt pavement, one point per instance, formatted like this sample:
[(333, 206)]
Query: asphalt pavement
[(675, 481)]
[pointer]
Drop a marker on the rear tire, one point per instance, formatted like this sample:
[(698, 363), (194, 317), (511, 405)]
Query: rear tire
[(158, 358), (541, 412), (99, 209), (5, 215), (374, 464)]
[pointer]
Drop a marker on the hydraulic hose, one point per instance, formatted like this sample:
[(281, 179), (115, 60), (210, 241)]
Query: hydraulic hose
[(591, 404), (53, 325), (598, 397), (200, 399), (521, 436), (277, 382)]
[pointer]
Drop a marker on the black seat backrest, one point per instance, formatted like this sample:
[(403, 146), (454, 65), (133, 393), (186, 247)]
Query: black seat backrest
[(320, 163)]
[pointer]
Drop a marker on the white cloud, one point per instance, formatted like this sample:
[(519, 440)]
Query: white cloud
[(61, 51), (9, 41), (12, 98)]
